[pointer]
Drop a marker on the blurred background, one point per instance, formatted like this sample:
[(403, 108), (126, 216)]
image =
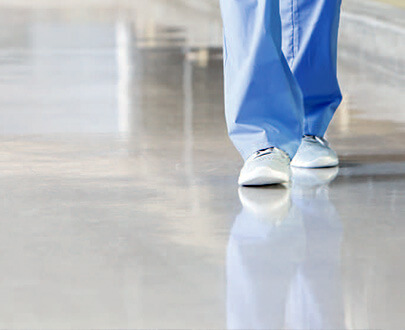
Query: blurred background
[(119, 205)]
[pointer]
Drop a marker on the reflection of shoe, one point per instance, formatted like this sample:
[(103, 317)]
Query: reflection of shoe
[(266, 203), (314, 152), (310, 191), (313, 177), (312, 183), (265, 167)]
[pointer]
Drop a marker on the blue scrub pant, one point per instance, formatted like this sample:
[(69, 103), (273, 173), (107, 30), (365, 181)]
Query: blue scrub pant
[(279, 71)]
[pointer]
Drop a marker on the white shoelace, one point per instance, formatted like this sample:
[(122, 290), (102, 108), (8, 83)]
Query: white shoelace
[(313, 138), (263, 152)]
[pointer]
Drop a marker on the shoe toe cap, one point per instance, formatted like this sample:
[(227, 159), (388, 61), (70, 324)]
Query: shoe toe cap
[(315, 157)]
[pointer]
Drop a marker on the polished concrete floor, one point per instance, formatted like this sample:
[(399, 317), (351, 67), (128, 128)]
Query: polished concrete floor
[(119, 205)]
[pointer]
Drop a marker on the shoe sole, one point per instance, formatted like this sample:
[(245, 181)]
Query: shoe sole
[(265, 177), (318, 163)]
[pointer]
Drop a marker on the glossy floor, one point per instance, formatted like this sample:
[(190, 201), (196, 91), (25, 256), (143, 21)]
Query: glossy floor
[(119, 204)]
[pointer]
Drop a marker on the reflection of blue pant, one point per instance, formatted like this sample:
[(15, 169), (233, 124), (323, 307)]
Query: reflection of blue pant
[(280, 75), (286, 276)]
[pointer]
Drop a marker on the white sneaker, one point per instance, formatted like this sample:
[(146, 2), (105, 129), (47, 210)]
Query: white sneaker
[(314, 152), (265, 167)]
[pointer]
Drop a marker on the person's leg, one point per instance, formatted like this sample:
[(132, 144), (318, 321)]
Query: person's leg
[(310, 31), (263, 103)]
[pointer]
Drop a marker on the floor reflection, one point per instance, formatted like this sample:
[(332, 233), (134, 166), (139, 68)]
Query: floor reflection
[(283, 260)]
